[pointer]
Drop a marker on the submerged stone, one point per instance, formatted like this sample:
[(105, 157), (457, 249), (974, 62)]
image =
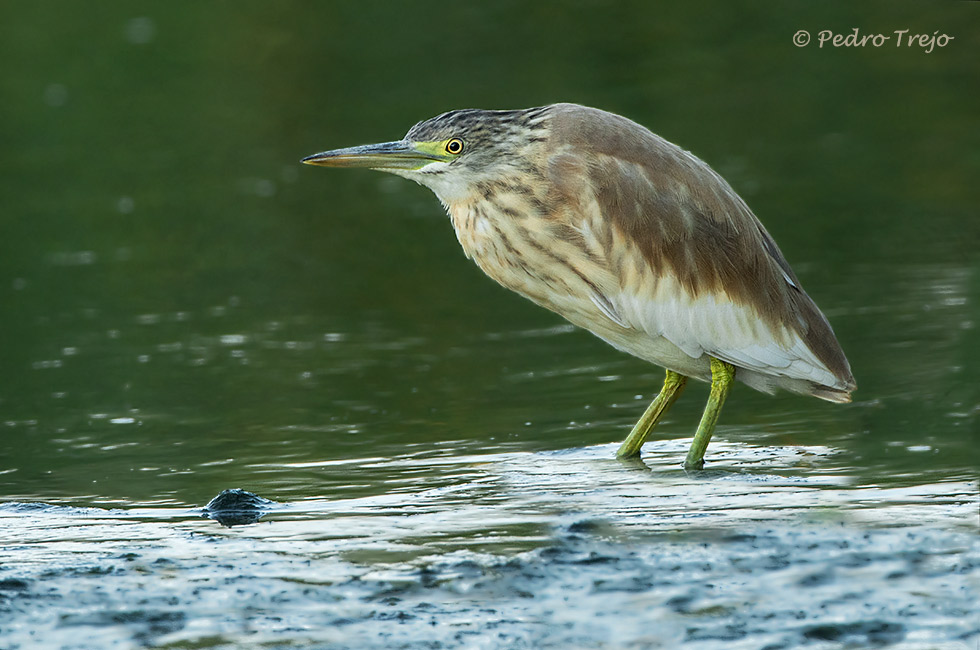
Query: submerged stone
[(236, 507)]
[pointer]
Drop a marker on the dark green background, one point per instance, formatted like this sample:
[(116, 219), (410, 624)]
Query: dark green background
[(186, 308)]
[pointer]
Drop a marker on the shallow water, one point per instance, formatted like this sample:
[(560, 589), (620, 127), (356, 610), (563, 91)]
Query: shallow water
[(187, 310), (567, 548)]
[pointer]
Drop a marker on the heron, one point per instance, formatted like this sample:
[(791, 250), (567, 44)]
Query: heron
[(628, 236)]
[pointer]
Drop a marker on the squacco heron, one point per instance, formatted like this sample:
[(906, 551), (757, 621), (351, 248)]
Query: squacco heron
[(628, 236)]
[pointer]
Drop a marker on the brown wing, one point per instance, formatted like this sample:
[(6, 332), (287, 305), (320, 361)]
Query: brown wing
[(721, 283)]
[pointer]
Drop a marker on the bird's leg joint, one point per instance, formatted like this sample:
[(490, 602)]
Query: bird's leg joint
[(674, 380), (722, 373)]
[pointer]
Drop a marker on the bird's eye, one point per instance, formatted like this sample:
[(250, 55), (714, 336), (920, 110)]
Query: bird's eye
[(454, 146)]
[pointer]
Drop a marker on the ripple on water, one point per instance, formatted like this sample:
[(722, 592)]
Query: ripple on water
[(516, 550)]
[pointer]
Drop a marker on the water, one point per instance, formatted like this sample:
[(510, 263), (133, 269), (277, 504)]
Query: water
[(516, 549), (188, 310)]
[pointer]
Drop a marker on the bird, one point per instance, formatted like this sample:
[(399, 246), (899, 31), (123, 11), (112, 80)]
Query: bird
[(627, 235)]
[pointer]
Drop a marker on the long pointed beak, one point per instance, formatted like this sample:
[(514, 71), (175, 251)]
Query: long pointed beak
[(387, 155)]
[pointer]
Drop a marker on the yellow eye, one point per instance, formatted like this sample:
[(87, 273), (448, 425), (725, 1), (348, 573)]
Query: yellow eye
[(454, 146)]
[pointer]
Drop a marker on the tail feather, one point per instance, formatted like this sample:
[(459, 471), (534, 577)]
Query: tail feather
[(832, 394)]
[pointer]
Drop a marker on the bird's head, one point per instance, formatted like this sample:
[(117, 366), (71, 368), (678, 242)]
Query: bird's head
[(452, 153)]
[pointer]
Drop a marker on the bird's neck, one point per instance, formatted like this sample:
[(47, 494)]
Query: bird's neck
[(473, 227), (504, 231)]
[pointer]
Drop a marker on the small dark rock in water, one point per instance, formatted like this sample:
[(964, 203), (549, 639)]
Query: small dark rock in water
[(876, 633), (236, 508)]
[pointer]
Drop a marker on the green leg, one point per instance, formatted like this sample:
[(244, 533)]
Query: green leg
[(722, 376), (673, 386)]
